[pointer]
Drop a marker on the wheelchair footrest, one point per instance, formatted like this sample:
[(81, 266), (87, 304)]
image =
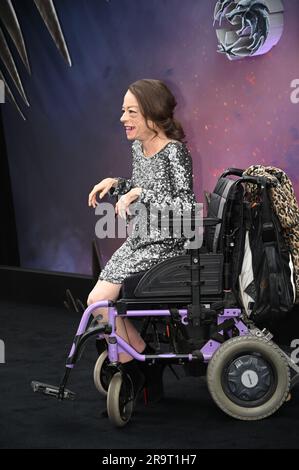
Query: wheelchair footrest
[(53, 391)]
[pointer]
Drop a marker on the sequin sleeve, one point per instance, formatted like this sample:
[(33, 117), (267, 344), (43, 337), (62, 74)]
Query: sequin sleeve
[(181, 196), (123, 186)]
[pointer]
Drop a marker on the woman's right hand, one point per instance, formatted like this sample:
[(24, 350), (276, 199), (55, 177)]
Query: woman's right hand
[(102, 188)]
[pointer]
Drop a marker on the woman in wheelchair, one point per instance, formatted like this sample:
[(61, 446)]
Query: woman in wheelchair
[(162, 174), (207, 308)]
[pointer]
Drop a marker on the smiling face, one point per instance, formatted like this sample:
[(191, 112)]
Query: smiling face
[(134, 121)]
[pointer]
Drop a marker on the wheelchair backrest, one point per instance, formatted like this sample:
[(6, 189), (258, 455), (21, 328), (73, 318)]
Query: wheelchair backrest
[(219, 200)]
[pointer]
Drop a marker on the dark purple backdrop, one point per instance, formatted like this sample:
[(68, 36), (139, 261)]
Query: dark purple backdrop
[(234, 113)]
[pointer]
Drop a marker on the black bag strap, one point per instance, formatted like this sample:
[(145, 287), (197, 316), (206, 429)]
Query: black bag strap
[(270, 241), (271, 256)]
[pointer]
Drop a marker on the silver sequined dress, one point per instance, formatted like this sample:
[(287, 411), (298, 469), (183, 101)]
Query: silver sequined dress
[(166, 180)]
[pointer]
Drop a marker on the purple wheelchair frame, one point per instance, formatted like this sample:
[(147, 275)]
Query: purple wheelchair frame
[(117, 345)]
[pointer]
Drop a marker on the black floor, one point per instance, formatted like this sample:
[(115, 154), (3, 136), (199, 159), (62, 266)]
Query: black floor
[(37, 340)]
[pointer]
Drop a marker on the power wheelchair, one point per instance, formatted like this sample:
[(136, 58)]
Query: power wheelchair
[(190, 305)]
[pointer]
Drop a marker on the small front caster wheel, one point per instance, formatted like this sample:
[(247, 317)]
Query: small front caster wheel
[(120, 400), (103, 373)]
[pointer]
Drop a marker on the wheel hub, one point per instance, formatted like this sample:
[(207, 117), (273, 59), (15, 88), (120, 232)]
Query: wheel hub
[(250, 379)]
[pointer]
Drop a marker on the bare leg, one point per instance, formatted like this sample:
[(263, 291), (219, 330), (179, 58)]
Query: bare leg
[(134, 336), (104, 290)]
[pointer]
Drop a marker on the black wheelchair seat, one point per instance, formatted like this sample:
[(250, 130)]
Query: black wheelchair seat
[(172, 278), (130, 284)]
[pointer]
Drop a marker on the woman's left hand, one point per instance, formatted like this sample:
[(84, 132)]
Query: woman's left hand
[(122, 205)]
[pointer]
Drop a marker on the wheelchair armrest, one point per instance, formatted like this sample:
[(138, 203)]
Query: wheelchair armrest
[(206, 221), (211, 221)]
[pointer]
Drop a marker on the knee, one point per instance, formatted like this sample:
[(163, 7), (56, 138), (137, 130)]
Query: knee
[(90, 300), (103, 311)]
